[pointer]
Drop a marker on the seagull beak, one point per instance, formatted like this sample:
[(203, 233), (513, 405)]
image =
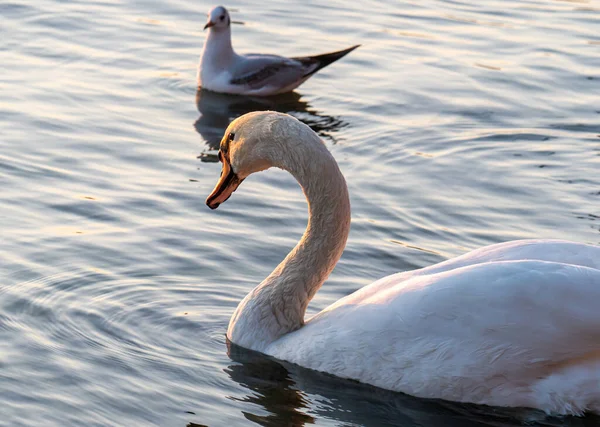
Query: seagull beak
[(208, 25), (227, 184)]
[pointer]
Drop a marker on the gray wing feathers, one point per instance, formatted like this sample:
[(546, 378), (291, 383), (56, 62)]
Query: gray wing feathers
[(255, 70), (276, 71)]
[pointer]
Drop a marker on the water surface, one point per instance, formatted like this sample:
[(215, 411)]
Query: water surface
[(456, 124)]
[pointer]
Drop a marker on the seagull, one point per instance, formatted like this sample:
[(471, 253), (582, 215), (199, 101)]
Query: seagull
[(223, 70)]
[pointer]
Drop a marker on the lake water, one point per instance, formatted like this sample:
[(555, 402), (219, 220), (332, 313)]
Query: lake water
[(457, 124)]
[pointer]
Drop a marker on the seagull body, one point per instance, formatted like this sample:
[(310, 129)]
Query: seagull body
[(223, 70)]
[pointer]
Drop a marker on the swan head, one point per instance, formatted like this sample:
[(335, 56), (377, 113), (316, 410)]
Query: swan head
[(251, 143), (218, 18)]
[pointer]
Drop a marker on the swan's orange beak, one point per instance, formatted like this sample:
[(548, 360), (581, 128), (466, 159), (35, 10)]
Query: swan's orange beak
[(227, 184)]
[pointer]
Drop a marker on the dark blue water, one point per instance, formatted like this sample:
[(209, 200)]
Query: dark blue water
[(456, 124)]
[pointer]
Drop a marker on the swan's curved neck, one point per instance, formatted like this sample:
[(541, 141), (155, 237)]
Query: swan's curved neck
[(278, 305)]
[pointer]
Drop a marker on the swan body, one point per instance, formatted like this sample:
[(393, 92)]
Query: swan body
[(511, 324), (223, 70)]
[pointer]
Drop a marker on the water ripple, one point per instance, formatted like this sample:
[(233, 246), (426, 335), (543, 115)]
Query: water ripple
[(456, 125)]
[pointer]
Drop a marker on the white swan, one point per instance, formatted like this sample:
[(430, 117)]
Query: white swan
[(512, 324)]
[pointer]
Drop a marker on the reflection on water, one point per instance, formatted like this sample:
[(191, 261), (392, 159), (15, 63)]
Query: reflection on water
[(218, 110), (272, 389), (295, 396)]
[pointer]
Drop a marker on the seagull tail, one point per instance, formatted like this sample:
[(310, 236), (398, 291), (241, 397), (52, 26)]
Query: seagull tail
[(325, 59)]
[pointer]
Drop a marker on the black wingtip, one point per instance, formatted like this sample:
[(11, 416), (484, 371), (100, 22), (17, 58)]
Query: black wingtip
[(325, 59)]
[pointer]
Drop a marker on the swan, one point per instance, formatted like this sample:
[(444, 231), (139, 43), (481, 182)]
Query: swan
[(223, 70), (514, 324)]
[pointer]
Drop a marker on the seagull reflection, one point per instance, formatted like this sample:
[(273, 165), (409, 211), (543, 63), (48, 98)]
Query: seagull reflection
[(218, 110), (295, 396)]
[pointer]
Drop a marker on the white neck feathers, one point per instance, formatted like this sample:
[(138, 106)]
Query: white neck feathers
[(278, 305), (217, 53)]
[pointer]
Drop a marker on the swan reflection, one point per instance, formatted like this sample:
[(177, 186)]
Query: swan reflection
[(272, 388), (218, 110), (295, 396)]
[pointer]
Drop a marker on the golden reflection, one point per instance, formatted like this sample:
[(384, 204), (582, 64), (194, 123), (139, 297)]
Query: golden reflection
[(407, 34), (488, 67), (149, 21)]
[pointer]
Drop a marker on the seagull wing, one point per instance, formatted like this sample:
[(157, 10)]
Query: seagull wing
[(256, 71)]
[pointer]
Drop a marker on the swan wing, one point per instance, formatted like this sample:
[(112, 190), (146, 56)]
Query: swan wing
[(460, 334), (561, 251)]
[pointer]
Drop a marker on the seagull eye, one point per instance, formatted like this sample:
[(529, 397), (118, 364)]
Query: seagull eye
[(222, 17)]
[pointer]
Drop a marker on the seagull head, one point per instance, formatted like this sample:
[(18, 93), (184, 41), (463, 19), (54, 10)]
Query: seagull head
[(218, 18)]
